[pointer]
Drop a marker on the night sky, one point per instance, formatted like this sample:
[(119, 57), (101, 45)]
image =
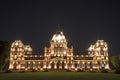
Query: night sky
[(83, 23)]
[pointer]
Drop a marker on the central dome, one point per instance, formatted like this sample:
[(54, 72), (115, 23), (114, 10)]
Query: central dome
[(58, 37)]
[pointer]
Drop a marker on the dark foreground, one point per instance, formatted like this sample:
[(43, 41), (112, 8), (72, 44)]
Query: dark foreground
[(59, 76)]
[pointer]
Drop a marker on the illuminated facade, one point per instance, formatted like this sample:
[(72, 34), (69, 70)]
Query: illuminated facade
[(58, 56)]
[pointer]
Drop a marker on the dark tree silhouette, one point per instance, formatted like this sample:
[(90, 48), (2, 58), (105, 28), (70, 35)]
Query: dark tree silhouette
[(4, 55), (115, 60)]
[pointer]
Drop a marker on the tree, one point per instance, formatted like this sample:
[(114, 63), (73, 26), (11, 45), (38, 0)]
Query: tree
[(115, 60), (4, 55)]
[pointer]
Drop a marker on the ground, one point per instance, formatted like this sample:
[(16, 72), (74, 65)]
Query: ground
[(59, 76)]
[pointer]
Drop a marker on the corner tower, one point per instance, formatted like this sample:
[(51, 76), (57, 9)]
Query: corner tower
[(99, 52), (17, 55)]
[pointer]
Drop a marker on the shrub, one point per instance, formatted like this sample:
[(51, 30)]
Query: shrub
[(33, 70), (117, 71), (104, 71), (8, 71), (80, 70), (92, 71), (21, 71), (46, 70), (68, 70)]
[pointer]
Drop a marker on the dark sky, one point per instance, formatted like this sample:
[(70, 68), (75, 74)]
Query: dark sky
[(84, 22)]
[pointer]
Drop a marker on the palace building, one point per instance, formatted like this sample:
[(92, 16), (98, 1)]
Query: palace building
[(58, 56)]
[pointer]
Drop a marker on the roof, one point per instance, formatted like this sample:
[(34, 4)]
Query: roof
[(58, 37)]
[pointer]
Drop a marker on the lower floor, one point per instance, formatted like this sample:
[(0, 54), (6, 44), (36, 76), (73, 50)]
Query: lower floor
[(75, 65)]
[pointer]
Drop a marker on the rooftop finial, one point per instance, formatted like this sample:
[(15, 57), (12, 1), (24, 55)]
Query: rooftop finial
[(60, 27)]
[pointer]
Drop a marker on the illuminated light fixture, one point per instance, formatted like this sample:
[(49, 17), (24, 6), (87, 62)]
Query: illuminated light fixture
[(64, 52), (88, 62), (66, 66), (91, 48), (76, 69), (104, 49), (98, 58), (35, 55), (22, 58), (59, 37), (41, 69), (98, 49), (19, 67), (83, 62), (64, 61), (107, 58), (73, 66), (55, 67), (60, 67), (15, 56), (54, 54), (44, 66), (101, 43), (81, 55), (49, 67), (97, 44), (67, 61), (26, 48), (11, 58), (33, 62), (102, 57), (86, 55), (16, 43), (13, 49), (58, 55)]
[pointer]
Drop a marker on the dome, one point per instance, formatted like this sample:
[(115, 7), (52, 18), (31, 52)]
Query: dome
[(28, 48), (17, 43), (58, 37), (101, 43)]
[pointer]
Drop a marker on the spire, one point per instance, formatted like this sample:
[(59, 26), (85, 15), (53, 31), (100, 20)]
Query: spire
[(60, 26)]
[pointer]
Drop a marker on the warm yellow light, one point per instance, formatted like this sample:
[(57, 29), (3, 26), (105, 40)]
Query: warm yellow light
[(64, 52), (16, 43), (91, 48), (55, 67), (66, 66), (41, 69), (11, 58), (76, 69), (49, 67), (26, 48), (98, 57), (83, 62), (98, 49), (58, 55), (72, 66), (59, 37), (101, 43)]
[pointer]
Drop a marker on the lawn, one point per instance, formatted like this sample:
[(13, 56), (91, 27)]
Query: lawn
[(59, 76)]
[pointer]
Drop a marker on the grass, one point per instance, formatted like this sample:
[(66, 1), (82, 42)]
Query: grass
[(59, 76)]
